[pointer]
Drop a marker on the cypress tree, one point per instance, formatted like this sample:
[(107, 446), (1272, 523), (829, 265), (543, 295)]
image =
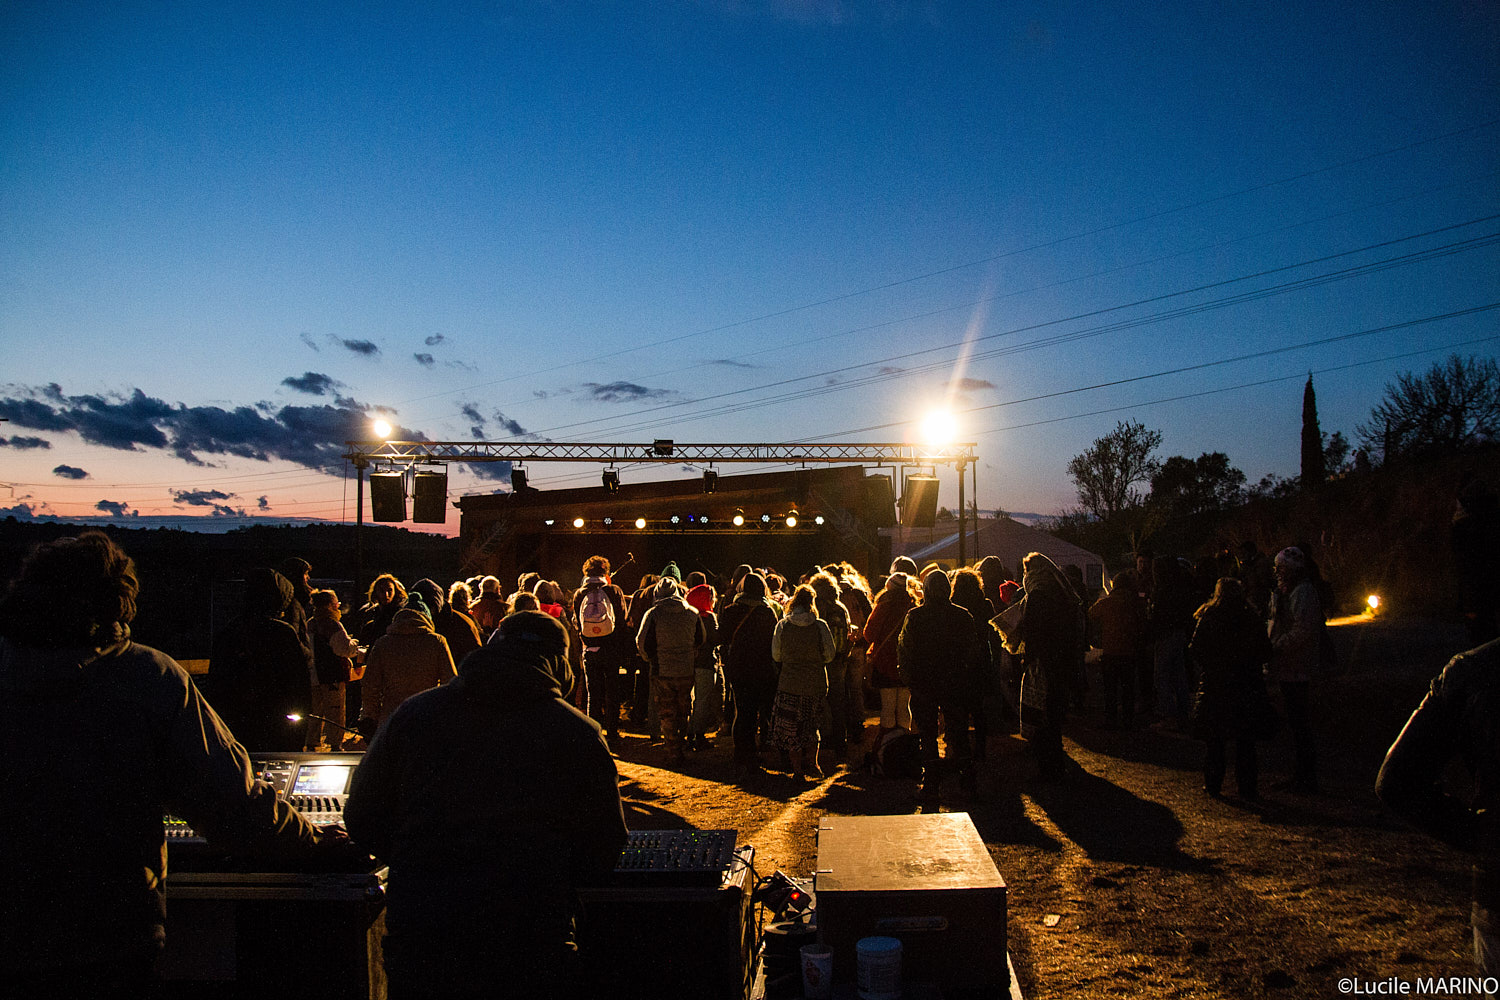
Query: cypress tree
[(1313, 470)]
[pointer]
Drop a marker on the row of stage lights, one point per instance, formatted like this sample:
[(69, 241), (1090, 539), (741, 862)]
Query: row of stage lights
[(790, 519)]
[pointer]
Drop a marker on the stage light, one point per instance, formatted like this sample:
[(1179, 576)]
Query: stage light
[(765, 519), (1372, 604), (739, 518), (702, 518), (640, 522), (611, 481), (818, 520), (609, 522), (577, 522), (791, 518), (662, 447), (549, 522), (939, 427), (676, 519), (518, 481), (710, 480)]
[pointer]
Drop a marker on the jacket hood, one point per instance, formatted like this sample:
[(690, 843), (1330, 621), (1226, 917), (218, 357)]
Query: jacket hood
[(267, 593), (409, 622), (701, 598), (802, 618)]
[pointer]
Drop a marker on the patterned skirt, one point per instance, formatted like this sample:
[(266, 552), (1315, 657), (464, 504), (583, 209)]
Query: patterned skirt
[(794, 720)]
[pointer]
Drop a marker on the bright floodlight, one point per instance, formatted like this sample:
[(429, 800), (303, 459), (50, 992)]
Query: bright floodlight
[(381, 428), (1373, 603), (640, 522), (939, 427), (577, 522)]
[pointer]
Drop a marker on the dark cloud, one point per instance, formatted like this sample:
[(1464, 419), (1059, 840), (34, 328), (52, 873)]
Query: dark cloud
[(471, 412), (541, 394), (462, 366), (624, 392), (425, 360), (263, 503), (731, 363), (21, 511), (365, 347), (200, 498), (222, 510), (307, 339), (116, 509), (888, 370), (313, 436), (973, 385), (312, 383), (434, 340), (70, 472), (511, 427), (831, 380), (491, 470), (25, 443)]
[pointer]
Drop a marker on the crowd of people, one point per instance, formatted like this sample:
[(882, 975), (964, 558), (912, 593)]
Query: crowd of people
[(789, 668), (475, 705)]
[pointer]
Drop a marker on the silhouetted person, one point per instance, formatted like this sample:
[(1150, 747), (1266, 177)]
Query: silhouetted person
[(746, 629), (1230, 647), (1475, 537), (1297, 623), (99, 737), (1045, 628), (1120, 616), (1459, 718), (670, 636), (803, 646), (457, 629), (937, 654), (492, 799), (260, 672), (409, 658), (599, 611)]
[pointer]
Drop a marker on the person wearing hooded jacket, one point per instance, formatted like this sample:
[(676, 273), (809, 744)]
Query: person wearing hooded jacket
[(882, 630), (1296, 629), (101, 737), (669, 638), (460, 631), (937, 653), (803, 645), (708, 696), (409, 658), (460, 794), (259, 670)]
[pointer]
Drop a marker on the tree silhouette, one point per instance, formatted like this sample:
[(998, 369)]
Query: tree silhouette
[(1314, 472), (1452, 406), (1105, 475)]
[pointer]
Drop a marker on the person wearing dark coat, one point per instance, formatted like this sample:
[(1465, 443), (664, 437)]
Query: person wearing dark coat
[(259, 671), (983, 685), (1045, 628), (1459, 719), (937, 654), (1230, 648), (493, 800), (101, 737), (453, 625), (746, 630)]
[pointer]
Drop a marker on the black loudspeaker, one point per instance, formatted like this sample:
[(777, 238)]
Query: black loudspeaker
[(387, 496), (919, 499), (880, 501), (429, 498)]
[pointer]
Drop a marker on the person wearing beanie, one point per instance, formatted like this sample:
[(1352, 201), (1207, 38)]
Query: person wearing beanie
[(460, 631), (904, 564), (459, 793), (708, 691), (669, 638), (671, 570)]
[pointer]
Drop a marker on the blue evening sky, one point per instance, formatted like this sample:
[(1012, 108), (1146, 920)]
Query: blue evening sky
[(230, 232)]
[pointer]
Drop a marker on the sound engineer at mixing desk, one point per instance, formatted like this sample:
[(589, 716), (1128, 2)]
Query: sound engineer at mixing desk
[(492, 799), (99, 738)]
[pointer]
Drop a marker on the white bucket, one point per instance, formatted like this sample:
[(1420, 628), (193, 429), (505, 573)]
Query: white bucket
[(878, 968)]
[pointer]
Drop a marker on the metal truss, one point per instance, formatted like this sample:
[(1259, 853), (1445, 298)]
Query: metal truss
[(661, 452)]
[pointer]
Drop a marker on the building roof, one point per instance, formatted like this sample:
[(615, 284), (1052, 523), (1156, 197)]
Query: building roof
[(1002, 536)]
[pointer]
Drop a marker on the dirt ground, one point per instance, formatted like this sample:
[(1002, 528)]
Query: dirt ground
[(1126, 880)]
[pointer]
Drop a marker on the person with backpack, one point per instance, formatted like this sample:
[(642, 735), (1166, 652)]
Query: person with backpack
[(599, 613)]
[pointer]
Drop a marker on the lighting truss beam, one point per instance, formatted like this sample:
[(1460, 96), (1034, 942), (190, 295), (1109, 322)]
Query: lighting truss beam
[(680, 454)]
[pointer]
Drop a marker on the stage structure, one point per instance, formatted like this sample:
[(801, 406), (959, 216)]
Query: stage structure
[(828, 506)]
